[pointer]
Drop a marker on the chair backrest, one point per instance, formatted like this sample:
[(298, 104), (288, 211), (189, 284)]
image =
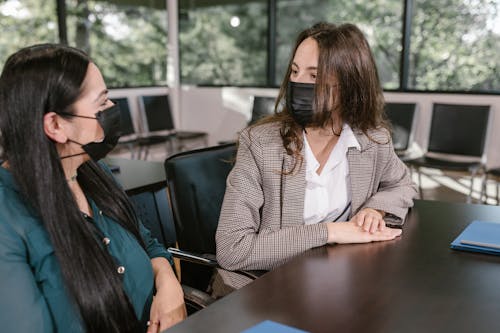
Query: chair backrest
[(196, 182), (458, 129), (153, 209), (156, 112), (126, 123), (262, 106), (401, 116)]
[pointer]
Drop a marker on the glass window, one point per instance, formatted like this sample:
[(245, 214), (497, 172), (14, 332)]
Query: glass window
[(127, 42), (223, 44), (454, 45), (380, 21), (25, 23)]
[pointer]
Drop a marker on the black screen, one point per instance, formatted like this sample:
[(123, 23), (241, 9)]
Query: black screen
[(459, 129), (157, 111), (126, 124)]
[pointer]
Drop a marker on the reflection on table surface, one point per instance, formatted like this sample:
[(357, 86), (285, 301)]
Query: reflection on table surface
[(413, 284)]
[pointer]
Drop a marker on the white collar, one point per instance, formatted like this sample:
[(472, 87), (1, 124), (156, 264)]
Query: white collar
[(346, 140)]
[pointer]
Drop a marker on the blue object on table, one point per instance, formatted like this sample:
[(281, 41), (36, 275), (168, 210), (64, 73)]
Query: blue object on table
[(269, 326), (479, 236)]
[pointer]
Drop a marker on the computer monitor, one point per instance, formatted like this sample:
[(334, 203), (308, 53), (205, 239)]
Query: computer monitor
[(126, 123), (156, 109)]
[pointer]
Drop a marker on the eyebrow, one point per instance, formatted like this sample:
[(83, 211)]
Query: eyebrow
[(102, 93), (309, 68)]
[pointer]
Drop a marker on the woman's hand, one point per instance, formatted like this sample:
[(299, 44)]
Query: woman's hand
[(370, 220), (168, 306), (351, 232)]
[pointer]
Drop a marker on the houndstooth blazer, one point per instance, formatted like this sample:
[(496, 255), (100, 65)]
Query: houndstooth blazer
[(261, 223)]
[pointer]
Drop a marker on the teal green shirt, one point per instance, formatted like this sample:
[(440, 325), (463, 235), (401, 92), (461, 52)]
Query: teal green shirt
[(33, 296)]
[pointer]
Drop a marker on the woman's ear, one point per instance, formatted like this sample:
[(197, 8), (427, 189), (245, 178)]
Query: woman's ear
[(53, 127)]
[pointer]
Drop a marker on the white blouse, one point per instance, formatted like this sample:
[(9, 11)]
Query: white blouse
[(328, 195)]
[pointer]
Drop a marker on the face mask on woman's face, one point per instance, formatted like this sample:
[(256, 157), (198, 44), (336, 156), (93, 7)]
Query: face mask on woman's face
[(109, 120), (299, 100)]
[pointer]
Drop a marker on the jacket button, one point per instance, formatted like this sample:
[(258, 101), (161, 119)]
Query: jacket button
[(121, 270), (106, 240)]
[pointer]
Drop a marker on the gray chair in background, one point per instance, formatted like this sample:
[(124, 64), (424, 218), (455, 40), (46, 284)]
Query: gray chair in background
[(456, 131), (402, 118), (493, 173), (263, 106)]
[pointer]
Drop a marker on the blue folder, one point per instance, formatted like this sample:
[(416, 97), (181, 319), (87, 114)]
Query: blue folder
[(479, 236), (269, 326)]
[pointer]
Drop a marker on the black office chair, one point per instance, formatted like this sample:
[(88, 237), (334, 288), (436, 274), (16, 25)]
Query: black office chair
[(402, 117), (456, 130), (197, 183), (153, 209), (159, 126), (262, 106)]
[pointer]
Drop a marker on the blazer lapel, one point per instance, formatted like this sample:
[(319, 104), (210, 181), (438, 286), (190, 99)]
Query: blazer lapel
[(292, 193), (361, 169)]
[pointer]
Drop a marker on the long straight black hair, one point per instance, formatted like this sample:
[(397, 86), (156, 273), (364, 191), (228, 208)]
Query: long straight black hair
[(48, 78)]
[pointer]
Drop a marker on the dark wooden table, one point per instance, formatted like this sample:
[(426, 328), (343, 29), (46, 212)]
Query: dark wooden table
[(138, 176), (413, 284)]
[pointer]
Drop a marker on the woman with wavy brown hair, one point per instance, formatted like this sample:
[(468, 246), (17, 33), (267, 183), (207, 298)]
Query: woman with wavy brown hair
[(322, 169)]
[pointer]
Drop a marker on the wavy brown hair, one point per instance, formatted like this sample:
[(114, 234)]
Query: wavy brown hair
[(347, 85)]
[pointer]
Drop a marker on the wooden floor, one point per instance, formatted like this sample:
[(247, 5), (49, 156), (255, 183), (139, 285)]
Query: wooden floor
[(440, 186)]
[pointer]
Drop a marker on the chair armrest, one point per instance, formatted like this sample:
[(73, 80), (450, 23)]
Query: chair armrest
[(203, 259), (196, 299), (252, 274), (207, 259)]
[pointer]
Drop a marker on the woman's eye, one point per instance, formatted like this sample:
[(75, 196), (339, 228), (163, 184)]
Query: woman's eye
[(313, 76)]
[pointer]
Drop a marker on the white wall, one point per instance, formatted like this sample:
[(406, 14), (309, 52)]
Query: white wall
[(222, 112)]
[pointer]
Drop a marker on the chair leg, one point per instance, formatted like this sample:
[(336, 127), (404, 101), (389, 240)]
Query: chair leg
[(469, 197), (131, 149), (484, 192), (420, 183), (498, 193)]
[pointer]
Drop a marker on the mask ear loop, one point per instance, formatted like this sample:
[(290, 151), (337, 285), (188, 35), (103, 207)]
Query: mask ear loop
[(72, 155), (97, 116)]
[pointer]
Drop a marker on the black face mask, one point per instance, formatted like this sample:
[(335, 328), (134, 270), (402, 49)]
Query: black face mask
[(299, 100), (109, 120)]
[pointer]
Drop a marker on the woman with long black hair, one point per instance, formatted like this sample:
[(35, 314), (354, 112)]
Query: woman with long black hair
[(73, 256)]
